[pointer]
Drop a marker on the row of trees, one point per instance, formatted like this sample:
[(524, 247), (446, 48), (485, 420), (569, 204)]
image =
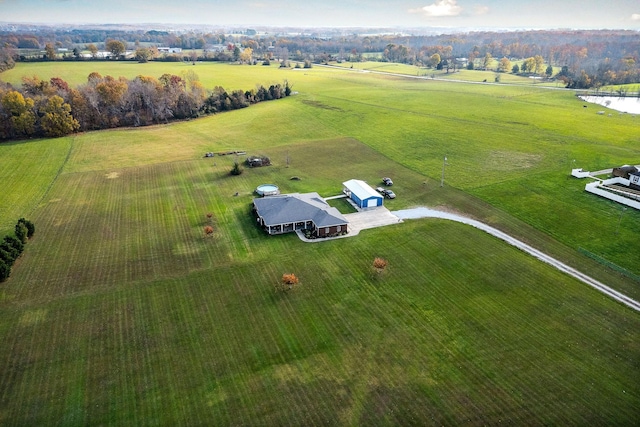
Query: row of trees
[(11, 247), (592, 58), (558, 47), (52, 108)]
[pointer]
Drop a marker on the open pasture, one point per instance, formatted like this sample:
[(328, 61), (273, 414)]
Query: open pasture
[(121, 312), (498, 139), (474, 76), (211, 74)]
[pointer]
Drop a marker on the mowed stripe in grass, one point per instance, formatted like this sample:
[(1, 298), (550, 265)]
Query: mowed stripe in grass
[(114, 227)]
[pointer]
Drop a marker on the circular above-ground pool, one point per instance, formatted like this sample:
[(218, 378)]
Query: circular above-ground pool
[(268, 190)]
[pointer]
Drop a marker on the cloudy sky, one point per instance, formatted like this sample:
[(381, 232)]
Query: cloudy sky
[(589, 14)]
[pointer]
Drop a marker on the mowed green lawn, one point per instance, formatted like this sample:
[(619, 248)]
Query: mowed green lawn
[(121, 312)]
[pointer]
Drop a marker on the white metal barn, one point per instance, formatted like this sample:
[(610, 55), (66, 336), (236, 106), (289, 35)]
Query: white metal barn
[(362, 193)]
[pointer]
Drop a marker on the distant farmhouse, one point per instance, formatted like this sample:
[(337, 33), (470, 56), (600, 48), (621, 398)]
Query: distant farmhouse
[(634, 180), (623, 187), (290, 212), (362, 194), (170, 49), (624, 171)]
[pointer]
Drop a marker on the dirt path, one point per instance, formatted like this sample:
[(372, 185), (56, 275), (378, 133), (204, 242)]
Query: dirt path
[(432, 213)]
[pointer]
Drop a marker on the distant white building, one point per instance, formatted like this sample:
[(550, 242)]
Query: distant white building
[(218, 47), (170, 49)]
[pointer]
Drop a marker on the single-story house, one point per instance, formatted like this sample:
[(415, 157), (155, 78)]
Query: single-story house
[(362, 194), (289, 212)]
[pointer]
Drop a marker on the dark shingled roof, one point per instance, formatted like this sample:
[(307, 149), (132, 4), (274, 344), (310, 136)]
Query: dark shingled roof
[(288, 208)]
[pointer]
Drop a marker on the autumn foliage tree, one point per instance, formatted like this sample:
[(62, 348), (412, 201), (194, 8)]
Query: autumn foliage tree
[(52, 108), (116, 47), (504, 65), (380, 264), (56, 118), (19, 118), (288, 281)]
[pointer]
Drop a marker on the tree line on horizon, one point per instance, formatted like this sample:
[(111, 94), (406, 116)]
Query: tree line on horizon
[(588, 58), (41, 108)]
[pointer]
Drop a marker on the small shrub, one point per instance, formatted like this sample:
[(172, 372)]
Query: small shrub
[(8, 253), (21, 232), (31, 229), (14, 243), (380, 264), (5, 270), (289, 280), (7, 257), (237, 169)]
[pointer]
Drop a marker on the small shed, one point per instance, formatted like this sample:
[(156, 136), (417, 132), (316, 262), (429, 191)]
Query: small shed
[(362, 194)]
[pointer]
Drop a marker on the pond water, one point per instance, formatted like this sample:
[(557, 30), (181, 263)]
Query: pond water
[(623, 104)]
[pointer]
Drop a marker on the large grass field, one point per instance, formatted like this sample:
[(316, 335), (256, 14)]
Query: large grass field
[(211, 73), (120, 312)]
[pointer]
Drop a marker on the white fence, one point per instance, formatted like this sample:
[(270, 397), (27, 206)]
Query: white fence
[(594, 187)]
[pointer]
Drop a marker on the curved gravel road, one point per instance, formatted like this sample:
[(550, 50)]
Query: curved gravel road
[(432, 213)]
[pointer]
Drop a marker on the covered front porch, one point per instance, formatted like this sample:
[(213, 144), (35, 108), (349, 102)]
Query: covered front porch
[(285, 227)]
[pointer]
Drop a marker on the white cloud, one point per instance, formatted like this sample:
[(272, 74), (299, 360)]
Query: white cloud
[(481, 10), (635, 17), (440, 8)]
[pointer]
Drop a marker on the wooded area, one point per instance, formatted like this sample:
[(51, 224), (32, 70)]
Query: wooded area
[(52, 108)]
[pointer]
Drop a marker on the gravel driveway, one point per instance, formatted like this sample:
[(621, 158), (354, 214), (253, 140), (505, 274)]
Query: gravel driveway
[(381, 216), (432, 213)]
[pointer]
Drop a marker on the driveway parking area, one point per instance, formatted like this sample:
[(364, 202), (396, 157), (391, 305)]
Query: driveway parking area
[(370, 218), (362, 220)]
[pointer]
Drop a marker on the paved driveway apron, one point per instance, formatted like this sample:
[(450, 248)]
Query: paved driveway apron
[(370, 218)]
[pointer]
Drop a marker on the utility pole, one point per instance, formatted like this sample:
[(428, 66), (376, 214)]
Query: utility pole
[(444, 163), (624, 209)]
